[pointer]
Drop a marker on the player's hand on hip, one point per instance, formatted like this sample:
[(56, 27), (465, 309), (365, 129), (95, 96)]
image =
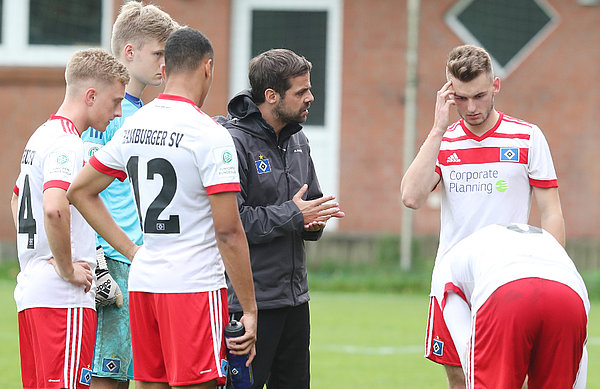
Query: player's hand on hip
[(79, 274), (317, 210), (132, 251), (445, 99)]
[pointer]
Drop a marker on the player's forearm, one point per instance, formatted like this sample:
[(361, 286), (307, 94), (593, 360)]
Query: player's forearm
[(551, 216), (84, 195), (101, 220), (57, 224), (554, 223), (420, 178), (94, 211), (234, 251)]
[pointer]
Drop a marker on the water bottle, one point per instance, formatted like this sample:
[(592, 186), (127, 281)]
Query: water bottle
[(241, 376)]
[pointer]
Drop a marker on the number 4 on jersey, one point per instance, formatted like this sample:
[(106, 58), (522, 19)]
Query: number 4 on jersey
[(27, 223)]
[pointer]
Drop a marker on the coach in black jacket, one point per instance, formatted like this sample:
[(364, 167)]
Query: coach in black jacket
[(281, 205)]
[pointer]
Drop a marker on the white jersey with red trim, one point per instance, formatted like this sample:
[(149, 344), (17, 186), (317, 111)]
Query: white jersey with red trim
[(498, 254), (52, 157), (175, 156), (489, 179)]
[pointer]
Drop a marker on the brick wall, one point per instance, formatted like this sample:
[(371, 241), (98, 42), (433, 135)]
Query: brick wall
[(554, 87), (29, 97)]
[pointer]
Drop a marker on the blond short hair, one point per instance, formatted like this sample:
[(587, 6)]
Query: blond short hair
[(95, 64), (466, 62), (138, 23)]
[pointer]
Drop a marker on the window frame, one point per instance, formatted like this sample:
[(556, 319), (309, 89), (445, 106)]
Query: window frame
[(15, 49), (468, 38)]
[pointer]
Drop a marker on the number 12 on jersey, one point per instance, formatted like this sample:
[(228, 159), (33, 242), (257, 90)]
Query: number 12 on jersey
[(151, 224)]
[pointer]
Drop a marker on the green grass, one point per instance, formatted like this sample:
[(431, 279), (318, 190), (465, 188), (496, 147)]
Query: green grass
[(10, 370), (358, 340), (366, 340), (383, 276)]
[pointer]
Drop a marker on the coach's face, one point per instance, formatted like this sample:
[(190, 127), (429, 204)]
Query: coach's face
[(106, 104), (293, 105)]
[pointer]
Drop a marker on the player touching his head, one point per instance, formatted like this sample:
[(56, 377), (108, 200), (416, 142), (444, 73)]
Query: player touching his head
[(182, 167), (488, 165), (55, 288), (138, 41)]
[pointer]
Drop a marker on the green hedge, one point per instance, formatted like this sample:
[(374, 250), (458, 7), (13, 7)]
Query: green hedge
[(384, 276)]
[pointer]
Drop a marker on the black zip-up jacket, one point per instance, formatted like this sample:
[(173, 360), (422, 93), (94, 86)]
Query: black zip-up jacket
[(271, 171)]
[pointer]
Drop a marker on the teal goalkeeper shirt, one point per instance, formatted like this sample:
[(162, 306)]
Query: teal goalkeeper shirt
[(117, 196)]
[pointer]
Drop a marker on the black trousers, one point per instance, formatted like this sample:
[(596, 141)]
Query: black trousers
[(282, 348)]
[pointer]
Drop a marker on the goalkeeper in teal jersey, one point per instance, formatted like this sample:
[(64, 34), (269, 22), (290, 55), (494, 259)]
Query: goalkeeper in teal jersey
[(138, 40)]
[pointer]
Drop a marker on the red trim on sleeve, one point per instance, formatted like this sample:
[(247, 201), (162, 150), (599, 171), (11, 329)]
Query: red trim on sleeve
[(450, 287), (220, 188), (16, 190), (118, 174), (543, 183), (56, 184)]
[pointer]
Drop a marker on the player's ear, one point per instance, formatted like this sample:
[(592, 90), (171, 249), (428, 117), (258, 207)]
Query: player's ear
[(163, 71), (496, 85), (128, 52), (90, 96), (208, 68)]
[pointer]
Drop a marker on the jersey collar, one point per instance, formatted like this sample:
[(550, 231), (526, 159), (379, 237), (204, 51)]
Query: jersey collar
[(487, 133), (67, 125), (165, 96), (134, 100)]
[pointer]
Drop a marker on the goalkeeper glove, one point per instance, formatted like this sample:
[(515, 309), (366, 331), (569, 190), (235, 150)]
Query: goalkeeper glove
[(107, 290)]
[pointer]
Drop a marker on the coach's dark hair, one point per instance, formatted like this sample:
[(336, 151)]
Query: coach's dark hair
[(273, 69), (185, 49), (467, 62)]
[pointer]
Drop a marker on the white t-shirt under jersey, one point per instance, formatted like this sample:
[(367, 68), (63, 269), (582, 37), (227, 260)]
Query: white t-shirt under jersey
[(175, 156), (488, 179), (52, 157)]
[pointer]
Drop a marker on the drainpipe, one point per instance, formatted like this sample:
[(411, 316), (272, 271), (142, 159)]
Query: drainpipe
[(410, 123)]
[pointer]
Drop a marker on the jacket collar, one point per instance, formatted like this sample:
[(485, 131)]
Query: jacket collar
[(248, 117)]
